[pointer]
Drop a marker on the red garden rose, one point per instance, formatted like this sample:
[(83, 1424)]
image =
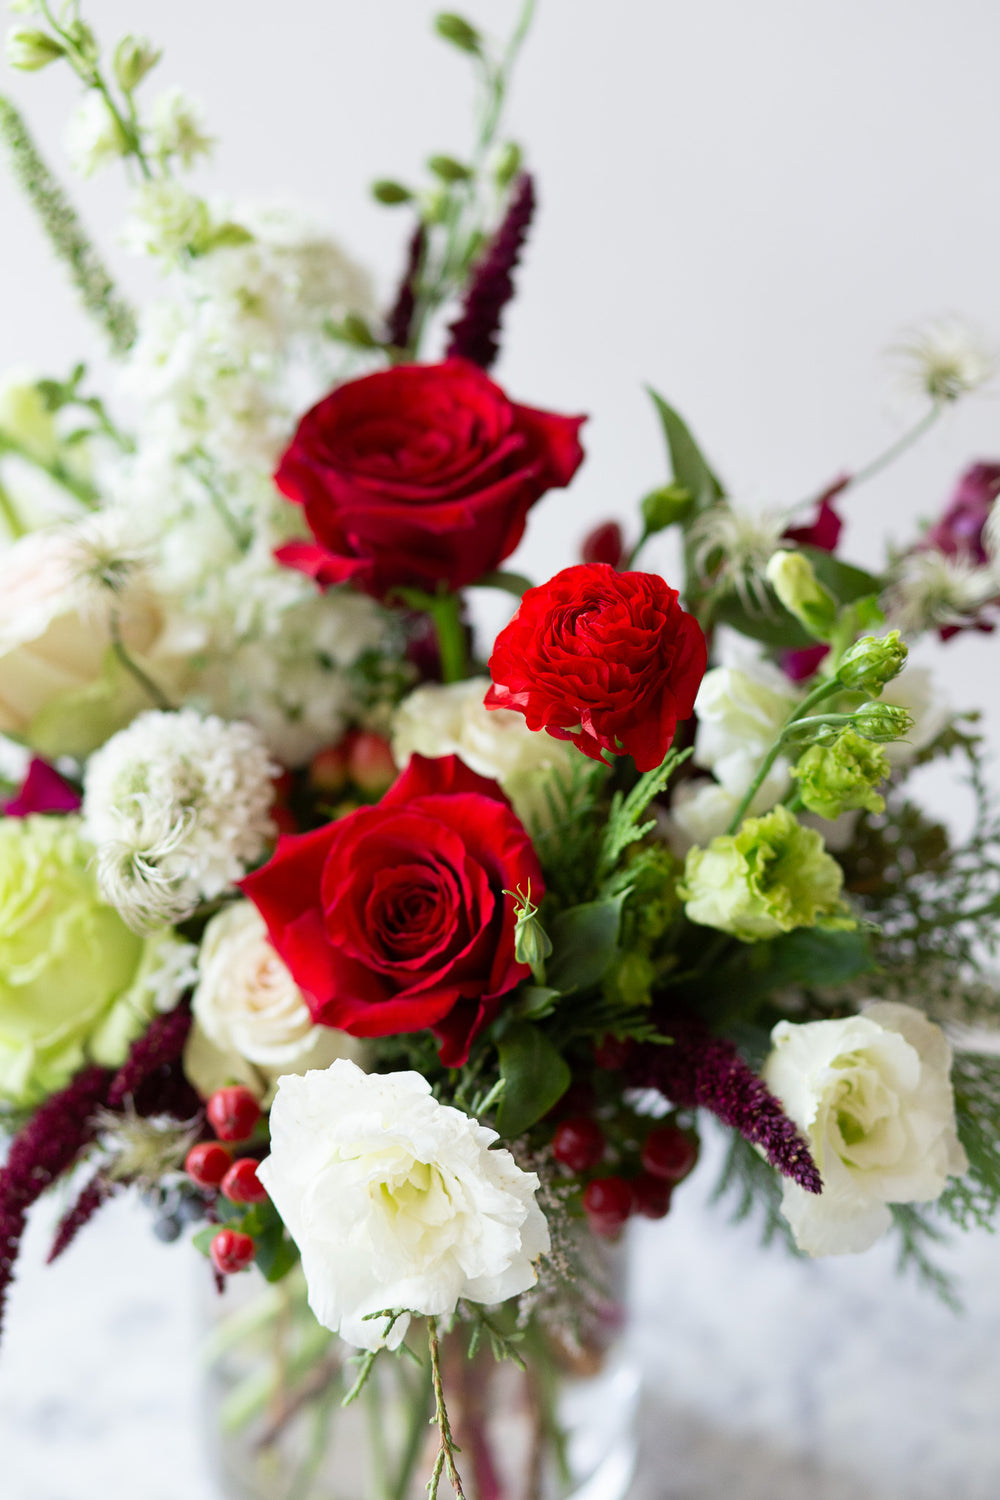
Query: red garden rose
[(419, 476), (394, 919), (609, 660)]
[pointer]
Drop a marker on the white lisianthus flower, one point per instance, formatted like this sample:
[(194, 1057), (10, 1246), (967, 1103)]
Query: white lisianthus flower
[(872, 1094), (248, 1010), (93, 136), (437, 720), (396, 1201), (164, 219), (178, 808), (741, 711)]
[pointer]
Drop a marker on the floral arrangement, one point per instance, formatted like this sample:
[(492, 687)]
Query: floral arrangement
[(407, 963)]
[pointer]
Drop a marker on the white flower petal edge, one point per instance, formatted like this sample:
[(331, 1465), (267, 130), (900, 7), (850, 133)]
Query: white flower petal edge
[(873, 1095), (396, 1201)]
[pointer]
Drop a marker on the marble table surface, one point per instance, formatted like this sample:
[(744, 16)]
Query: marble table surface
[(766, 1378)]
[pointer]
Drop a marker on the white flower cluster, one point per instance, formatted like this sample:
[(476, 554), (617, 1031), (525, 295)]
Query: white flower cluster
[(178, 808)]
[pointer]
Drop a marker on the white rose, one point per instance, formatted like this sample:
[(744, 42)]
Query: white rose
[(396, 1201), (251, 1020), (55, 644), (437, 720), (873, 1096), (741, 711)]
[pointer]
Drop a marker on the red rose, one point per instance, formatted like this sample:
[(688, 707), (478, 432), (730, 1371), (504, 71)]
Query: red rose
[(420, 475), (609, 660), (394, 919)]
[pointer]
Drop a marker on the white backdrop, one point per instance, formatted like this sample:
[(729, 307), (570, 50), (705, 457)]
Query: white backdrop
[(743, 205)]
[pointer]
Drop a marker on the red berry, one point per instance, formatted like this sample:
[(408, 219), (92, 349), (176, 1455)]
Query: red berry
[(578, 1143), (207, 1164), (284, 819), (612, 1053), (604, 544), (231, 1251), (233, 1113), (371, 764), (328, 769), (651, 1195), (241, 1183), (669, 1153), (607, 1202)]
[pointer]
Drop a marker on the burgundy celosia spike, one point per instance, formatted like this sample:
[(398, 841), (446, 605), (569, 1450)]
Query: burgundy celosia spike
[(42, 1150), (160, 1045), (475, 334), (705, 1070), (97, 1191), (399, 323)]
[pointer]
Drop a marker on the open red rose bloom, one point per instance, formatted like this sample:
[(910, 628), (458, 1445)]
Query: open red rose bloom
[(608, 660), (420, 475), (393, 919)]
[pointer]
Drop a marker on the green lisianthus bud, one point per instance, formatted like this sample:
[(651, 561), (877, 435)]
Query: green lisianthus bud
[(532, 944), (508, 164), (882, 722), (836, 778), (794, 580), (134, 58), (769, 878), (872, 662), (76, 985), (390, 192), (448, 169), (84, 40), (457, 30), (30, 50), (665, 507)]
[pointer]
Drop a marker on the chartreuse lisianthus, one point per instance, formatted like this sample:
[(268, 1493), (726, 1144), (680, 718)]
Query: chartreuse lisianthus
[(836, 778), (76, 985), (770, 877)]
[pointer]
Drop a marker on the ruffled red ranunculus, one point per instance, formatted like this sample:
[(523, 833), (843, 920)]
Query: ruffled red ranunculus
[(609, 660), (419, 476), (394, 919)]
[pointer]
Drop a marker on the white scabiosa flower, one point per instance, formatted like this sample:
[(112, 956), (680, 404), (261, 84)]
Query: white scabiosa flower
[(177, 806), (733, 547), (251, 1021), (396, 1201), (437, 720), (945, 360), (931, 591), (873, 1096), (93, 136)]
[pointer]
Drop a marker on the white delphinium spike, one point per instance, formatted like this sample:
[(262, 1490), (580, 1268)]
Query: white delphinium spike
[(945, 359), (177, 806), (732, 548), (932, 590)]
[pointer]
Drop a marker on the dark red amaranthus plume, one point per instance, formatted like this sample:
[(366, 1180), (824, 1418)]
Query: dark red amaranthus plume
[(705, 1070), (399, 323), (97, 1191), (159, 1047), (475, 334), (41, 1151)]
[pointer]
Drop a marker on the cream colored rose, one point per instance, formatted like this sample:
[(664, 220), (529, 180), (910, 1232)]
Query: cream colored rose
[(61, 688), (437, 720), (872, 1094), (251, 1021)]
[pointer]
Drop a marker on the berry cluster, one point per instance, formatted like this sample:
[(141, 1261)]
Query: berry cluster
[(340, 778), (233, 1114)]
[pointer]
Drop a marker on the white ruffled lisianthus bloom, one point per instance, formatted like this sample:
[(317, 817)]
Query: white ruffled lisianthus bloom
[(178, 808), (741, 711), (251, 1021), (396, 1201), (873, 1096), (437, 720)]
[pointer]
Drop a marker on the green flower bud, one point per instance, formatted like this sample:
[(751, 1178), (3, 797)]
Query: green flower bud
[(771, 877), (355, 331), (665, 507), (508, 164), (872, 662), (31, 50), (532, 944), (133, 59), (794, 580), (448, 169), (389, 192), (882, 722), (629, 982), (457, 30), (835, 778), (434, 205), (84, 40)]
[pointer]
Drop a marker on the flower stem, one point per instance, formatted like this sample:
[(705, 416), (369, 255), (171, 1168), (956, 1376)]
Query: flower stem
[(888, 455), (10, 514), (445, 1461), (822, 690), (56, 470), (446, 612), (133, 668)]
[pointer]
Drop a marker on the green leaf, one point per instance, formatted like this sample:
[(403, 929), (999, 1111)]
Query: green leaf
[(535, 1077), (535, 1001), (689, 466), (511, 583), (202, 1240), (276, 1253), (584, 943), (844, 580), (774, 626), (819, 959)]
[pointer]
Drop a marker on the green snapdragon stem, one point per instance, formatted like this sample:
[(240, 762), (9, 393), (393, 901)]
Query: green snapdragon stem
[(821, 691)]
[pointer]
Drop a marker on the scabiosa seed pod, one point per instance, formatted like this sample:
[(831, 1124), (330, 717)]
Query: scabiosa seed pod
[(475, 334)]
